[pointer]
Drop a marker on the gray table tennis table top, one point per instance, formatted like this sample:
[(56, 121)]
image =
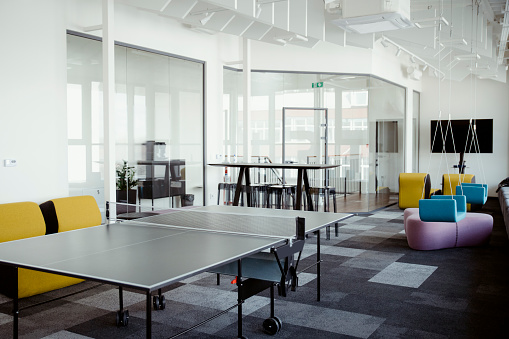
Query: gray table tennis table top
[(151, 256), (314, 221)]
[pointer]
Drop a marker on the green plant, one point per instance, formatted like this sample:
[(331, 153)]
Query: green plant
[(125, 177)]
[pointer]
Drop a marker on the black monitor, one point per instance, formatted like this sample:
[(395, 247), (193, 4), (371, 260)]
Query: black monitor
[(461, 129)]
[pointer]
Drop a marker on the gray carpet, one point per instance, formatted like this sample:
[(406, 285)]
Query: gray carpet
[(373, 286)]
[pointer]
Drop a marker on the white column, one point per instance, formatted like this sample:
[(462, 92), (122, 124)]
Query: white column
[(108, 45), (409, 113), (246, 76)]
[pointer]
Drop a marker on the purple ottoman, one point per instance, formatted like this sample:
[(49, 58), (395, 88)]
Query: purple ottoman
[(408, 212), (474, 230)]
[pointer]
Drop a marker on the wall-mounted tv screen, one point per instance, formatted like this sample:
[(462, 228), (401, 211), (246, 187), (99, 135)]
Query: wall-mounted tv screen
[(460, 132)]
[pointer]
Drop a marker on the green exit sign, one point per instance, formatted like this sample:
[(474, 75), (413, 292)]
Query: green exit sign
[(317, 84)]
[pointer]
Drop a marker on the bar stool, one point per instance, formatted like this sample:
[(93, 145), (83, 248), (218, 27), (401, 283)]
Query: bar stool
[(327, 192), (258, 194), (281, 193), (229, 192)]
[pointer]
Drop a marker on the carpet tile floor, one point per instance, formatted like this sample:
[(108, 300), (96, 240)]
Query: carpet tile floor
[(373, 286)]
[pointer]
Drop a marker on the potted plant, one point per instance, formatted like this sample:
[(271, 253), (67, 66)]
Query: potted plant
[(126, 187)]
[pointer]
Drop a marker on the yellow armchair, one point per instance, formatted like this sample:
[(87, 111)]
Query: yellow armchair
[(450, 181), (412, 188)]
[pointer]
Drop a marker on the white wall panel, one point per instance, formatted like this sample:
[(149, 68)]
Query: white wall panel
[(32, 105)]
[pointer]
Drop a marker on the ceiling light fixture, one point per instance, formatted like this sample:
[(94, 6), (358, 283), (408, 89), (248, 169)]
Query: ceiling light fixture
[(416, 59), (472, 56), (258, 10), (453, 42), (300, 37), (430, 22), (281, 41), (206, 19)]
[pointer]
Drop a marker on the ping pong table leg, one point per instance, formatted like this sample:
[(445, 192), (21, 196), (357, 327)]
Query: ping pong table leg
[(148, 310), (239, 298), (15, 306), (272, 301), (318, 260), (121, 298)]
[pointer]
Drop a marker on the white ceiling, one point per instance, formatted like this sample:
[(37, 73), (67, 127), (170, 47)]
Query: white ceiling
[(456, 37)]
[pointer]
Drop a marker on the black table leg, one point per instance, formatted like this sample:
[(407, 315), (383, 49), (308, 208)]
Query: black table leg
[(307, 190), (15, 306), (238, 189), (248, 187), (148, 310), (298, 199)]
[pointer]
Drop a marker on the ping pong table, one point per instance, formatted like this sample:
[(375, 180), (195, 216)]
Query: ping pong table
[(151, 253)]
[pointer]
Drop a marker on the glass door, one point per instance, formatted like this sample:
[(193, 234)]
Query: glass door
[(305, 141)]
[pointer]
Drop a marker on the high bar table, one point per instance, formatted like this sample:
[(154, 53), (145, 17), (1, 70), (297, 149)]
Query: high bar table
[(302, 178)]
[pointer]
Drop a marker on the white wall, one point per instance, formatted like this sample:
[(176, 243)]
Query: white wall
[(33, 100), (491, 101)]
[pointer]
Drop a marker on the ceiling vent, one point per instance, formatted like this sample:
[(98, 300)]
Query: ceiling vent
[(371, 16)]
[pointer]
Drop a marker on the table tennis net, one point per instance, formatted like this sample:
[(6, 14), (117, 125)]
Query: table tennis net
[(283, 227)]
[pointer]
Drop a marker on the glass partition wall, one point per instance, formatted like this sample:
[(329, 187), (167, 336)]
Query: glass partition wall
[(158, 126), (362, 131)]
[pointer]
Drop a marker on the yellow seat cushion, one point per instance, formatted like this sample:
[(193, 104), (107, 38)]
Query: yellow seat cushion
[(412, 188), (450, 181), (18, 221), (77, 212)]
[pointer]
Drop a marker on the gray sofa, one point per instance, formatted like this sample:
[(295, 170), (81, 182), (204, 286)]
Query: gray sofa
[(503, 197)]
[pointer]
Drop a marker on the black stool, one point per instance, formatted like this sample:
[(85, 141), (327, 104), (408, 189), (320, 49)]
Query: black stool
[(229, 192), (326, 192), (281, 193), (258, 194)]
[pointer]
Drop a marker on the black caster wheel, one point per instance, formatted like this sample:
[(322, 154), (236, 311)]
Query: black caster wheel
[(159, 302), (280, 323), (122, 318), (125, 318), (155, 302), (271, 326), (162, 303)]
